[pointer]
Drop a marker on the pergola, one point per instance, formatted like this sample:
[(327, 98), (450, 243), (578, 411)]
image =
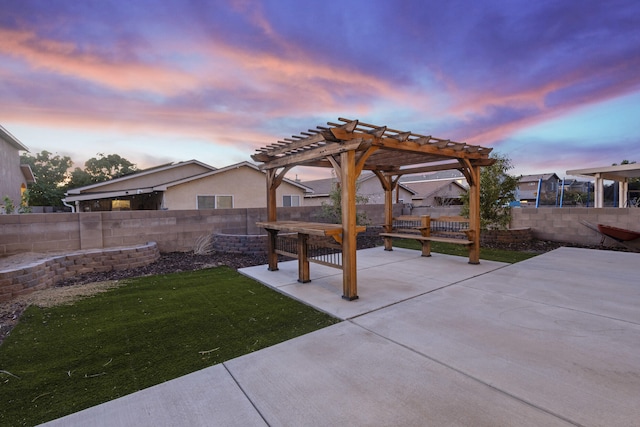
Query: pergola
[(619, 173), (349, 147)]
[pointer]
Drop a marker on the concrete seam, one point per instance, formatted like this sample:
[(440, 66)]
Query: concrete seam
[(245, 393)]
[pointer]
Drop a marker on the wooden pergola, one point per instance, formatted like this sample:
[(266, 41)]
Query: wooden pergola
[(349, 147)]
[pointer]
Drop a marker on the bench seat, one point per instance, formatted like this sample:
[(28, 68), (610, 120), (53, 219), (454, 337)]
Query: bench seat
[(428, 238), (449, 229)]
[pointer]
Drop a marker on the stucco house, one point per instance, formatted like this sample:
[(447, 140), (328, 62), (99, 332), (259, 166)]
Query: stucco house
[(183, 186), (14, 177), (368, 186), (442, 188), (444, 192)]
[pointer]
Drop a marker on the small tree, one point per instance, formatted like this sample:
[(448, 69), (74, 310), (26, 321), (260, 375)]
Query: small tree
[(332, 211), (497, 191), (24, 202), (51, 176), (9, 208)]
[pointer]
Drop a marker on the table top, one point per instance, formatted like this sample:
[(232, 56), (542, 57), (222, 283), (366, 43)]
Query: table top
[(303, 227)]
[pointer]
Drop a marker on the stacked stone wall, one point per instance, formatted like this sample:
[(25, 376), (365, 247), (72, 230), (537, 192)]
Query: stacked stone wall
[(506, 237), (47, 272), (254, 244)]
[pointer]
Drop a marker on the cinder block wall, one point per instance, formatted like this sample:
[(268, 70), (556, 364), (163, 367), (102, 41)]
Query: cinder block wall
[(173, 231), (563, 224), (178, 230), (437, 211), (39, 233)]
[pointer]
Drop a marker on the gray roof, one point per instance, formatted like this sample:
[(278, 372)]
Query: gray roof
[(427, 188), (322, 187), (544, 176), (446, 174)]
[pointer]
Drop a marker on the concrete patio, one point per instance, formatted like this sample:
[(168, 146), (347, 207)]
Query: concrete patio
[(554, 340)]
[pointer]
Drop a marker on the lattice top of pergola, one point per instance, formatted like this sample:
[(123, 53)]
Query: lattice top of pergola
[(380, 148)]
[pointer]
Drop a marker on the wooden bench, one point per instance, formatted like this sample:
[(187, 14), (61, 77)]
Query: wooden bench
[(450, 230)]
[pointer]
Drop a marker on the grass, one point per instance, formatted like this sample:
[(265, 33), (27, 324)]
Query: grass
[(489, 254), (63, 359)]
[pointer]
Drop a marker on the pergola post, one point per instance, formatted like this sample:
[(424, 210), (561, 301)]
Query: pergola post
[(272, 185), (348, 178), (474, 214), (388, 212), (388, 184)]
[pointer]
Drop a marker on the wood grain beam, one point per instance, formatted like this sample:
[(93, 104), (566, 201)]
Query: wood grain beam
[(312, 154)]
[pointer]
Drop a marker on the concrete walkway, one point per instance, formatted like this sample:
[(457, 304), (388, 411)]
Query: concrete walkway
[(554, 340)]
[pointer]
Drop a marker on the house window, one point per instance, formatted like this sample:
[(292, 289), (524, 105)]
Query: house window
[(224, 202), (290, 200), (215, 202)]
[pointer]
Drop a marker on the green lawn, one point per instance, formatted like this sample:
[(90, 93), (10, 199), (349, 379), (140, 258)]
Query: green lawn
[(63, 359), (452, 249)]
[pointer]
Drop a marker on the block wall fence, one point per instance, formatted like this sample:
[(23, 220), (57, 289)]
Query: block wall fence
[(179, 230), (564, 224), (173, 231)]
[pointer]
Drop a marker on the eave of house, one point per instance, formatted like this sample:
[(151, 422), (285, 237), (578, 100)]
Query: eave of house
[(12, 140), (145, 172), (107, 195), (28, 174)]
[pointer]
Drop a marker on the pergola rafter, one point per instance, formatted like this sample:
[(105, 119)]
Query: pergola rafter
[(351, 146)]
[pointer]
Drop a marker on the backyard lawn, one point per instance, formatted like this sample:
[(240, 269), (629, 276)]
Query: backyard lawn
[(66, 358), (63, 359)]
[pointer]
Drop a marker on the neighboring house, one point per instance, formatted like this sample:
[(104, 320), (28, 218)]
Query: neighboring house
[(578, 186), (527, 189), (14, 177), (442, 188), (445, 192), (184, 186), (368, 185)]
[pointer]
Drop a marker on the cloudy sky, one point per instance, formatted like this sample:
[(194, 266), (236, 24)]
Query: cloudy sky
[(554, 85)]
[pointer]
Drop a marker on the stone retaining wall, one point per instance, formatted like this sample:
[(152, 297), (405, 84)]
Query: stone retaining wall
[(254, 244), (506, 237), (45, 273)]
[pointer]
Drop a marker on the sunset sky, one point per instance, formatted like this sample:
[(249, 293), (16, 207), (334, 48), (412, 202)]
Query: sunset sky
[(554, 85)]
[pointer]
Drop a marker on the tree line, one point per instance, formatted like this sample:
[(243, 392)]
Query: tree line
[(54, 175)]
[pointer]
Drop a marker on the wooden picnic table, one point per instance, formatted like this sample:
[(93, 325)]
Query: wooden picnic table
[(304, 230)]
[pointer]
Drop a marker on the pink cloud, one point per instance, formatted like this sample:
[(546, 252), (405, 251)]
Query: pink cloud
[(64, 58)]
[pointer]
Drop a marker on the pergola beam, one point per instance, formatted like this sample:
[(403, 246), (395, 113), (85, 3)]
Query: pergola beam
[(300, 158)]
